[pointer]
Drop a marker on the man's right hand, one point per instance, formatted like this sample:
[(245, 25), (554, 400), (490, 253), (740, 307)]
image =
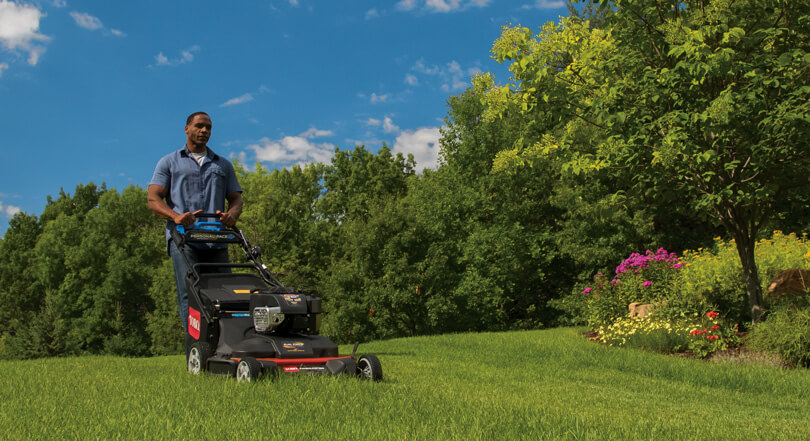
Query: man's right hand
[(186, 219)]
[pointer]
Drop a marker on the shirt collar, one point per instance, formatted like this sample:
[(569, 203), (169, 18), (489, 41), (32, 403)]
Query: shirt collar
[(185, 152)]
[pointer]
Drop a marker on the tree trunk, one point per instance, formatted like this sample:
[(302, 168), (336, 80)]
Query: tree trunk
[(745, 248)]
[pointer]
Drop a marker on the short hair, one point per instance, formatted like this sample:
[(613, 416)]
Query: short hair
[(191, 117)]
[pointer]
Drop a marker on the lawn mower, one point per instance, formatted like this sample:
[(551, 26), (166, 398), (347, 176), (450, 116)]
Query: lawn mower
[(248, 324)]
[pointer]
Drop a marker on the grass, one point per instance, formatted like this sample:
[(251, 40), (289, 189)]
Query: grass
[(534, 385)]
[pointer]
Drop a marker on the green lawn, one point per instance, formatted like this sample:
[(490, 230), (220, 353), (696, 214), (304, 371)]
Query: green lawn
[(535, 385)]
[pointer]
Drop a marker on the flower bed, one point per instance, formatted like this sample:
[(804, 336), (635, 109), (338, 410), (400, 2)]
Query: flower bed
[(700, 335)]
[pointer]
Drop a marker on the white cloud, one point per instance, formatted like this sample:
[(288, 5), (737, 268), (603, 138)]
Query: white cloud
[(238, 100), (312, 132), (92, 23), (389, 126), (441, 5), (406, 5), (373, 122), (59, 3), (291, 150), (186, 56), (452, 76), (422, 143), (545, 4), (372, 13), (86, 21), (18, 29), (294, 2), (3, 66), (379, 98), (9, 210)]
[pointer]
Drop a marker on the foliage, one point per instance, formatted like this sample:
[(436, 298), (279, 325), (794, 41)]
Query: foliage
[(94, 260), (704, 99), (570, 310), (714, 275), (786, 331), (646, 278)]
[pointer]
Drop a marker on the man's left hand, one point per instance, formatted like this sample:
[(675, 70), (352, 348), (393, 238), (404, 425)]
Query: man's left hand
[(226, 219)]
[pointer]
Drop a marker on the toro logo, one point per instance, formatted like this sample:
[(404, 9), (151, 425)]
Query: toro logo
[(194, 323), (290, 368)]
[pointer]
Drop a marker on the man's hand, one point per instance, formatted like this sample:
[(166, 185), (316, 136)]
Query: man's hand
[(226, 219), (185, 219)]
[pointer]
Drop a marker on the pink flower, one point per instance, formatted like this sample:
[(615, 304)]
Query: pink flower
[(676, 266), (647, 283), (587, 290)]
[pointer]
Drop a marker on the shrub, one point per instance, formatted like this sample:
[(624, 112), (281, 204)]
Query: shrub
[(714, 276), (572, 310), (639, 278), (786, 331)]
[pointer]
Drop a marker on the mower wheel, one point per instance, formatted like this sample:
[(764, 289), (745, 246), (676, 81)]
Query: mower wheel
[(248, 369), (198, 355), (369, 367)]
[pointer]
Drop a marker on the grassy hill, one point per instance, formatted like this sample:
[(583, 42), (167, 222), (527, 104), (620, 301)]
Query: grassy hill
[(535, 385)]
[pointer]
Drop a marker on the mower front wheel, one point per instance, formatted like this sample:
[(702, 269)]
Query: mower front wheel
[(369, 367), (248, 369), (198, 355)]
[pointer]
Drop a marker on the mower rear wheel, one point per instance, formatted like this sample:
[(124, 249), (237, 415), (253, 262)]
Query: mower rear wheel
[(198, 355), (369, 367), (248, 369)]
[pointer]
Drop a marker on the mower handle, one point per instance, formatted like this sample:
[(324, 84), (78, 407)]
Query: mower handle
[(223, 265), (206, 214)]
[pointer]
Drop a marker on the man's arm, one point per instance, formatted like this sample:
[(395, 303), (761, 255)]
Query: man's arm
[(156, 195), (230, 217)]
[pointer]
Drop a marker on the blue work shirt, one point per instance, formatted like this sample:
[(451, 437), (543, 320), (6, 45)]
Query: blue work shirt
[(193, 187)]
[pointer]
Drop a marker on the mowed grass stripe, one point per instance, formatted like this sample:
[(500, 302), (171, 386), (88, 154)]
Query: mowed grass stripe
[(532, 385)]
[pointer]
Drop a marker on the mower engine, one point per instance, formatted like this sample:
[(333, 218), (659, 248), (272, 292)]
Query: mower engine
[(285, 312)]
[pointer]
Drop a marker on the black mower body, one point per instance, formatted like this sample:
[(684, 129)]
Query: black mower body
[(223, 328)]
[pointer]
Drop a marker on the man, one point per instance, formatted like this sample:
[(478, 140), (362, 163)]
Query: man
[(186, 182)]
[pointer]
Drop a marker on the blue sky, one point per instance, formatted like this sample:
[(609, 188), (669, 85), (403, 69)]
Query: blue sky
[(97, 91)]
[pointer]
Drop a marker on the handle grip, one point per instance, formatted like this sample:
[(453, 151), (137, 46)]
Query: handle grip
[(208, 215)]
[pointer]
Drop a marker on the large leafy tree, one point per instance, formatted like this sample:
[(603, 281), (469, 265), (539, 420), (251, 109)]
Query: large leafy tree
[(705, 101)]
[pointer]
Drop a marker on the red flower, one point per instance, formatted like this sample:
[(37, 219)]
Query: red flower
[(712, 314), (715, 327)]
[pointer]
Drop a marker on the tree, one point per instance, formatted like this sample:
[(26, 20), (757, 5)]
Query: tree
[(20, 294), (704, 98)]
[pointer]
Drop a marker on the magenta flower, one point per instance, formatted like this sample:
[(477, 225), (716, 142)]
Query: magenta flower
[(587, 290), (647, 283)]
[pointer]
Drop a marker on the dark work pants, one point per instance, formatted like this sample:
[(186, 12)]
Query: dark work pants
[(181, 268)]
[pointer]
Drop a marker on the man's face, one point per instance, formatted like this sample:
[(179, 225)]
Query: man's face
[(199, 130)]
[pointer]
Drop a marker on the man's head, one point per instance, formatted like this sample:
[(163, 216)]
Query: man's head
[(198, 130), (191, 117)]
